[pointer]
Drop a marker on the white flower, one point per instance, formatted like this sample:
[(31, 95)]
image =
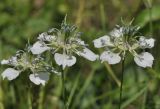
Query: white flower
[(63, 44), (10, 74), (146, 43), (64, 60), (88, 54), (122, 40), (110, 57), (39, 47), (39, 78), (102, 41), (144, 59), (45, 37), (25, 61)]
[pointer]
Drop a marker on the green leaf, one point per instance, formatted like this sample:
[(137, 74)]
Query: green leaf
[(144, 17)]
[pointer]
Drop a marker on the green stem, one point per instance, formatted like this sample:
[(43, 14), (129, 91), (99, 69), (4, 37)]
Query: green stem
[(35, 97), (63, 89), (150, 17), (80, 12), (110, 71), (41, 96), (121, 86), (29, 100), (148, 4), (102, 14), (73, 91), (144, 99)]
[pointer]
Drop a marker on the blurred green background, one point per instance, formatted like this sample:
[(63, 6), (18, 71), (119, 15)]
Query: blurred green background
[(93, 85)]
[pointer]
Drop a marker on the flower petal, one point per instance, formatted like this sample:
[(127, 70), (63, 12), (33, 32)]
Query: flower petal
[(39, 78), (110, 57), (88, 54), (79, 41), (146, 43), (45, 37), (10, 74), (102, 41), (64, 60), (4, 62), (39, 47), (11, 61), (117, 32), (144, 59)]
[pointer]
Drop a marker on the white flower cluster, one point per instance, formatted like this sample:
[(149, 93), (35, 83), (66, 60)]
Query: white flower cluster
[(125, 39), (63, 44), (66, 42), (23, 61)]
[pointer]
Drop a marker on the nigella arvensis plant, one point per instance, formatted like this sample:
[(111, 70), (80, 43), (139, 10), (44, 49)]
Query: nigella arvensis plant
[(122, 40), (24, 60), (63, 44)]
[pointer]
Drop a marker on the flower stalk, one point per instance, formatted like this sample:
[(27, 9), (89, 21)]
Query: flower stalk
[(63, 90), (41, 96), (121, 86), (29, 99)]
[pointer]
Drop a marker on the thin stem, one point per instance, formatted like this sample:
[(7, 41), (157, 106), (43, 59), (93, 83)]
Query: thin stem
[(80, 12), (150, 21), (29, 99), (35, 97), (148, 4), (41, 96), (63, 89), (121, 86), (144, 99), (150, 17), (102, 14), (73, 91), (110, 71)]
